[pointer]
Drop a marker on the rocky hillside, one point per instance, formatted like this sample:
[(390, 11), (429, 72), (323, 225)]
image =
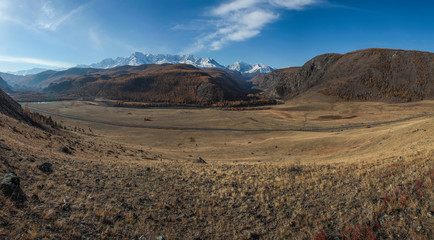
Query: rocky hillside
[(179, 84), (11, 108), (371, 74)]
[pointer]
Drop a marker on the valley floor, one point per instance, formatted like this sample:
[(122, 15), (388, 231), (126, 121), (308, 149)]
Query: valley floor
[(373, 182)]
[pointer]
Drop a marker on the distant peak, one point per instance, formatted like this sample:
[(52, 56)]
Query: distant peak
[(139, 58)]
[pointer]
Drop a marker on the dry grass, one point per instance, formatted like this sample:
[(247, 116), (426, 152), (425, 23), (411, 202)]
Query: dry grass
[(109, 190)]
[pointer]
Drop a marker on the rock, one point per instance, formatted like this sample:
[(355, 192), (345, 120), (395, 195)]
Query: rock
[(254, 236), (160, 237), (10, 186), (46, 168), (200, 160), (66, 150)]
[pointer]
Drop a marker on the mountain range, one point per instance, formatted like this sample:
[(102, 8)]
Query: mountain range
[(138, 58), (363, 75), (28, 71)]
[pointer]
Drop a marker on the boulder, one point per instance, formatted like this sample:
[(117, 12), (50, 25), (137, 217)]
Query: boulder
[(200, 160), (10, 187), (46, 168)]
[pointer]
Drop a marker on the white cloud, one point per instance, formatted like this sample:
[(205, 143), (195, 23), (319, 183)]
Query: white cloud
[(43, 62), (293, 4), (235, 5), (239, 20)]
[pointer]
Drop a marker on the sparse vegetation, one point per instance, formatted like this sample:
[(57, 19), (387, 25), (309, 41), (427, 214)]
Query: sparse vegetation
[(39, 119), (383, 199), (87, 186)]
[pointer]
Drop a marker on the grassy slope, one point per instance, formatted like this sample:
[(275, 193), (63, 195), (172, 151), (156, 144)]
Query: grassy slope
[(110, 190)]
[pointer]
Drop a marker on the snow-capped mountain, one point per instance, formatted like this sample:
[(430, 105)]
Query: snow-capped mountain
[(250, 68), (139, 58)]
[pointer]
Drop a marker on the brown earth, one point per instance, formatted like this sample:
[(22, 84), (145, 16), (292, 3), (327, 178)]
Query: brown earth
[(371, 74)]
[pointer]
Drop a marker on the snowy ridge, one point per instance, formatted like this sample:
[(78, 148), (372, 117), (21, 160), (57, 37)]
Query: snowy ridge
[(139, 58), (250, 68)]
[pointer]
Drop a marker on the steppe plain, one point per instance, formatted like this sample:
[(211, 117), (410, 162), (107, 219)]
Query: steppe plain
[(312, 168)]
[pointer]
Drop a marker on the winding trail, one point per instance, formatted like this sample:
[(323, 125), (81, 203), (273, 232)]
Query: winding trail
[(306, 129)]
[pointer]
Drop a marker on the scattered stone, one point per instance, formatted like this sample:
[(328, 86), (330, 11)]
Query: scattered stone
[(200, 160), (254, 236), (295, 170), (5, 148), (66, 206), (66, 150), (10, 186), (35, 198), (160, 237), (46, 168)]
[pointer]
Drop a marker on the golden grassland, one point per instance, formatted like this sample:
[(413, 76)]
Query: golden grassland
[(364, 183)]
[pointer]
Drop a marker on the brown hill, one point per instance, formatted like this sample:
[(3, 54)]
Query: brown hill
[(178, 84), (371, 74), (43, 79)]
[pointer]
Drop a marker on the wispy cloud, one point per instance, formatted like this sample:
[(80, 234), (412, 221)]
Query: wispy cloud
[(42, 62), (239, 20), (51, 19), (37, 14)]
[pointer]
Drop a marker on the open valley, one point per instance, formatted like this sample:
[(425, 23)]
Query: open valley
[(298, 131), (368, 182), (229, 119)]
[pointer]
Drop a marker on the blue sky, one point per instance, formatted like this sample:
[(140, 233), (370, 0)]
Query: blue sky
[(280, 33)]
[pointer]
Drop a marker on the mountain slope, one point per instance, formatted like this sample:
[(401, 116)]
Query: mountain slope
[(11, 108), (178, 84), (370, 74), (43, 79), (5, 86)]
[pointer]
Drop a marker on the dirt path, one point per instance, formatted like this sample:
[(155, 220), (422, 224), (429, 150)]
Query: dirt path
[(237, 129)]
